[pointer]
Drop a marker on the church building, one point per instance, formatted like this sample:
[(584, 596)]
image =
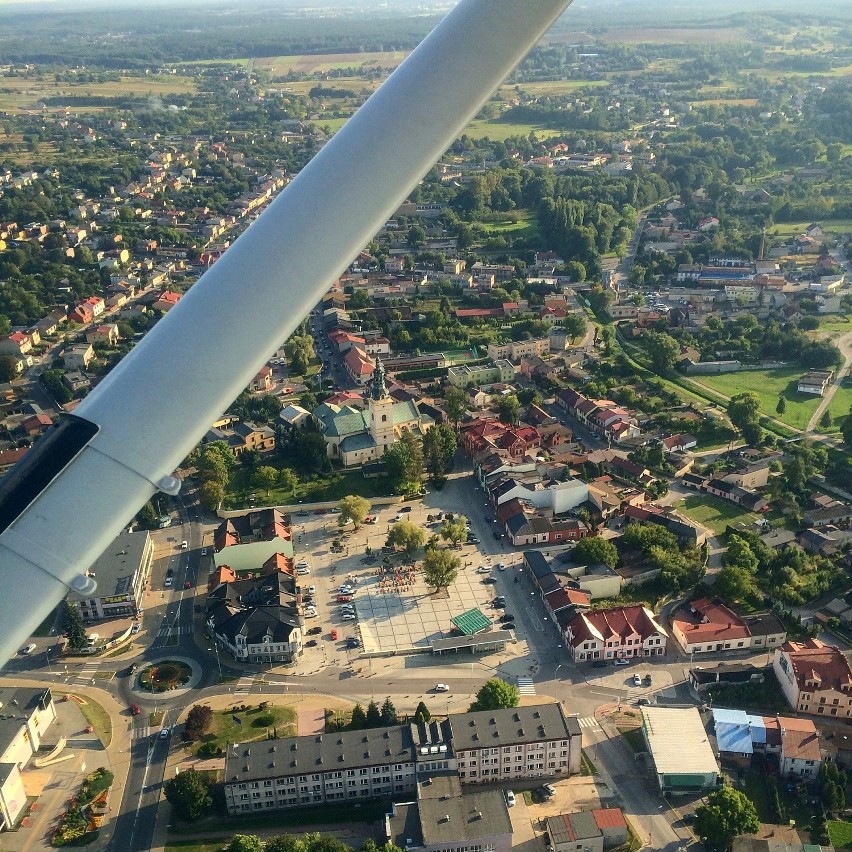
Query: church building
[(356, 437)]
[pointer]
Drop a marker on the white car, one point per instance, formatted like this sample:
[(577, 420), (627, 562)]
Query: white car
[(483, 569), (28, 649), (621, 662), (303, 563), (303, 571), (637, 681), (311, 612), (510, 799), (349, 616), (312, 590), (344, 590), (501, 566), (441, 687)]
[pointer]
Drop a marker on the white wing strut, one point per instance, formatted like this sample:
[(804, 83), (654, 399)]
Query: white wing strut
[(71, 499)]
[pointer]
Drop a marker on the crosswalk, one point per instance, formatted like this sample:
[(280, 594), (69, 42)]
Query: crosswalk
[(141, 732), (244, 685), (181, 630), (588, 722), (526, 686)]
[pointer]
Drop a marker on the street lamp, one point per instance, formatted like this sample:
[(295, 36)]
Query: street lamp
[(216, 649)]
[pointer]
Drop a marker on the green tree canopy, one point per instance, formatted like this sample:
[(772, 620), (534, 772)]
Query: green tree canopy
[(743, 408), (75, 630), (496, 694), (421, 713), (454, 529), (454, 404), (353, 508), (404, 464), (406, 536), (265, 477), (728, 813), (244, 843), (189, 795), (509, 409), (663, 350), (440, 568), (595, 549)]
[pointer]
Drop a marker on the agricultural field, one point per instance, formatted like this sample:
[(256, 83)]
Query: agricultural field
[(21, 94), (793, 229), (769, 385), (499, 131), (325, 62), (551, 88), (676, 35)]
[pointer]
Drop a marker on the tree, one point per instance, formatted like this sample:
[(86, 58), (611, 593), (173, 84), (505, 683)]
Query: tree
[(454, 530), (846, 429), (211, 494), (75, 630), (353, 508), (574, 324), (495, 694), (663, 350), (244, 843), (739, 553), (734, 583), (404, 464), (440, 568), (454, 404), (782, 405), (359, 718), (374, 715), (825, 420), (743, 408), (509, 409), (198, 722), (728, 813), (439, 447), (284, 843), (189, 795), (265, 477), (406, 536), (287, 480), (421, 713), (8, 368), (595, 549), (389, 715)]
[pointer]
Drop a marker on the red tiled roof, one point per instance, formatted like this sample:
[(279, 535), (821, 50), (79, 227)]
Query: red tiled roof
[(609, 818), (816, 662), (709, 623)]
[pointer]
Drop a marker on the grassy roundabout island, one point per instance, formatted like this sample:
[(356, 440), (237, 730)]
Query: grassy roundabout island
[(165, 676)]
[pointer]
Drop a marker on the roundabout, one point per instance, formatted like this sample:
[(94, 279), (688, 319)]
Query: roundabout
[(168, 677)]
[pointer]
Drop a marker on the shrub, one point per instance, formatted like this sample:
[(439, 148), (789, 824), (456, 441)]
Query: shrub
[(264, 721)]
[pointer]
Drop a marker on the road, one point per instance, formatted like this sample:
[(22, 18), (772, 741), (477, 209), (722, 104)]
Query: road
[(844, 344)]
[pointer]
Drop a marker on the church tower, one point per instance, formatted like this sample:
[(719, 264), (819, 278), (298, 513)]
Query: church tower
[(381, 409)]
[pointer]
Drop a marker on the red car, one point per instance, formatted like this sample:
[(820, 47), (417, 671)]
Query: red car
[(344, 598), (135, 709), (187, 585), (320, 511), (334, 635)]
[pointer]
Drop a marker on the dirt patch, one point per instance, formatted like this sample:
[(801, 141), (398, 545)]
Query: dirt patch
[(311, 721)]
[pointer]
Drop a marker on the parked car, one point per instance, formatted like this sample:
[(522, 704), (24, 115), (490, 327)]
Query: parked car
[(170, 572), (334, 635), (509, 625), (314, 630), (303, 563), (507, 616), (28, 649), (135, 629), (648, 680), (312, 590), (489, 581), (405, 509), (344, 598), (497, 604), (184, 545), (472, 539), (135, 709), (168, 583), (348, 616), (311, 643), (548, 790), (441, 687), (352, 642), (501, 566), (637, 681), (644, 702), (303, 571), (620, 662), (510, 799), (483, 569), (599, 664)]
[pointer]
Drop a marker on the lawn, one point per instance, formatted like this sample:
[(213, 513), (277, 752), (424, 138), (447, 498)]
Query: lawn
[(714, 512), (257, 722), (96, 716), (524, 224), (329, 488), (499, 131), (793, 229), (333, 124), (840, 405), (549, 88), (839, 833), (769, 385), (835, 324)]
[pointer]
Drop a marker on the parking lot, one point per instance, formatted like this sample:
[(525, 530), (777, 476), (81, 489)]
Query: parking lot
[(395, 610)]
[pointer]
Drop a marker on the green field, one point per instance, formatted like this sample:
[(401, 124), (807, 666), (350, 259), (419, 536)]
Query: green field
[(769, 385), (840, 405), (499, 131), (839, 833), (835, 324), (225, 730), (319, 490), (714, 513), (333, 124), (525, 225), (549, 88), (829, 226)]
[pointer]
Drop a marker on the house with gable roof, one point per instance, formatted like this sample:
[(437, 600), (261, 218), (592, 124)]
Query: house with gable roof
[(618, 633), (815, 678)]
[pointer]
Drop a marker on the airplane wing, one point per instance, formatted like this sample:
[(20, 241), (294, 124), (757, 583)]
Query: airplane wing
[(76, 490)]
